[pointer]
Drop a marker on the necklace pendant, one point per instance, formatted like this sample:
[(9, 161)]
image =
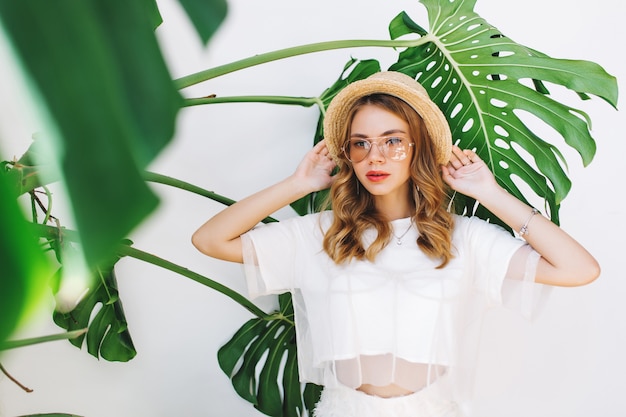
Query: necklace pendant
[(399, 238)]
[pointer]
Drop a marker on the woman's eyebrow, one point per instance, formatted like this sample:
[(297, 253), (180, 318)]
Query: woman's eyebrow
[(385, 133)]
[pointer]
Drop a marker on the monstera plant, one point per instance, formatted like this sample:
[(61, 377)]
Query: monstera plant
[(482, 80)]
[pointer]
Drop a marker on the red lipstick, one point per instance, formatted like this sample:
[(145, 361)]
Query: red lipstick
[(377, 176)]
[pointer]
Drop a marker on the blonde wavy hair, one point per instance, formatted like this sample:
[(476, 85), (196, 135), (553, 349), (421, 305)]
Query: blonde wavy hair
[(354, 212)]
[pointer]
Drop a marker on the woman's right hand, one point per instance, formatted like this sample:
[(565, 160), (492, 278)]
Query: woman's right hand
[(315, 169), (220, 238)]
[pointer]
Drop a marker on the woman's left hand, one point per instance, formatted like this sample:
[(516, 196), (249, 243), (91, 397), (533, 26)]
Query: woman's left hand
[(563, 261), (467, 173)]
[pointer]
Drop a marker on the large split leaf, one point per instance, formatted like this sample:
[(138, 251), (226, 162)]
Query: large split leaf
[(268, 345), (483, 81), (100, 310)]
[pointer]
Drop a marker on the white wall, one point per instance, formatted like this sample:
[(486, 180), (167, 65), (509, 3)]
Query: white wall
[(569, 363)]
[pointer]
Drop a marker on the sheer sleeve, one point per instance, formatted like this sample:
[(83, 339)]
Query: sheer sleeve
[(520, 292), (504, 267), (268, 255), (275, 253), (488, 250), (256, 286)]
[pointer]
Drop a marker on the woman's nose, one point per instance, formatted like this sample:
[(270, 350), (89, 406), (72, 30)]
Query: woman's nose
[(375, 154)]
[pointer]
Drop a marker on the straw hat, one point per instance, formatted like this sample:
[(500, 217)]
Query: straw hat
[(395, 84)]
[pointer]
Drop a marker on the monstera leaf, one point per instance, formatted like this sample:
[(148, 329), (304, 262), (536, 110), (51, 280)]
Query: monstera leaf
[(269, 344), (108, 336), (483, 81)]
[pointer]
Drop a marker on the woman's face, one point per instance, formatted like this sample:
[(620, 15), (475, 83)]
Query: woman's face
[(382, 175)]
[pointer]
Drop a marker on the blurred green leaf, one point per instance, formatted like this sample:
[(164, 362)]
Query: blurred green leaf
[(206, 15), (99, 71), (24, 268), (153, 13)]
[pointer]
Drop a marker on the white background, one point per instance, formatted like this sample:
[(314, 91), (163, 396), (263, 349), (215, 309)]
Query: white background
[(568, 363)]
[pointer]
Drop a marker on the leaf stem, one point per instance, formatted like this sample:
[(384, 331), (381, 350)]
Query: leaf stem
[(15, 381), (176, 183), (126, 250), (48, 210), (278, 315), (33, 207), (42, 339), (210, 73), (292, 101)]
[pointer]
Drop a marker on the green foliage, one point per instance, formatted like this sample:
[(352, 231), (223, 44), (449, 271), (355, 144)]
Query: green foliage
[(111, 107), (24, 268), (268, 343), (13, 344), (24, 175), (100, 310), (483, 80), (99, 72)]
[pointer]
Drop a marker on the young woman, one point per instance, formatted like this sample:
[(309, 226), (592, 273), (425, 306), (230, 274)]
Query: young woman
[(387, 285)]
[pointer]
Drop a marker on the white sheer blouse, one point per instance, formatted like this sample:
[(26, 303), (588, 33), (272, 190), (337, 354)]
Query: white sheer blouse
[(398, 320)]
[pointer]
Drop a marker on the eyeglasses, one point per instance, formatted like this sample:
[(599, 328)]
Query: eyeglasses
[(395, 148)]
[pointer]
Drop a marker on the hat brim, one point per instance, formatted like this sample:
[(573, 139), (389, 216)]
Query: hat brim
[(397, 85)]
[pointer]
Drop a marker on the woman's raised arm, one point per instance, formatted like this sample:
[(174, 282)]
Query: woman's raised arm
[(564, 262), (220, 238)]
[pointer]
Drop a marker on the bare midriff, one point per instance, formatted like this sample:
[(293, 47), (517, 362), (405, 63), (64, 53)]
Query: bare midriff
[(386, 376), (387, 391)]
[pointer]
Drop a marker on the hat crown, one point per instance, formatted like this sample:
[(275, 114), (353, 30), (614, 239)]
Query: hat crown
[(400, 78), (395, 84)]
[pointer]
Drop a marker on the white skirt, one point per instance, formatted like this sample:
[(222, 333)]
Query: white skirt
[(343, 401)]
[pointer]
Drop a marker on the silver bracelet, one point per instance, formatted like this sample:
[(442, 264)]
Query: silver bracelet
[(524, 230)]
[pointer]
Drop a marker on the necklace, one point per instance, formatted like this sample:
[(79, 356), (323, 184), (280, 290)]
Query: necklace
[(399, 238)]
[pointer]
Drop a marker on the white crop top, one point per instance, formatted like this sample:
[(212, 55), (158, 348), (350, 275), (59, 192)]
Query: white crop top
[(397, 320)]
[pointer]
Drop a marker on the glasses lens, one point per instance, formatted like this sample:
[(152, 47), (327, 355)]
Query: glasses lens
[(392, 147), (395, 148), (358, 149)]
